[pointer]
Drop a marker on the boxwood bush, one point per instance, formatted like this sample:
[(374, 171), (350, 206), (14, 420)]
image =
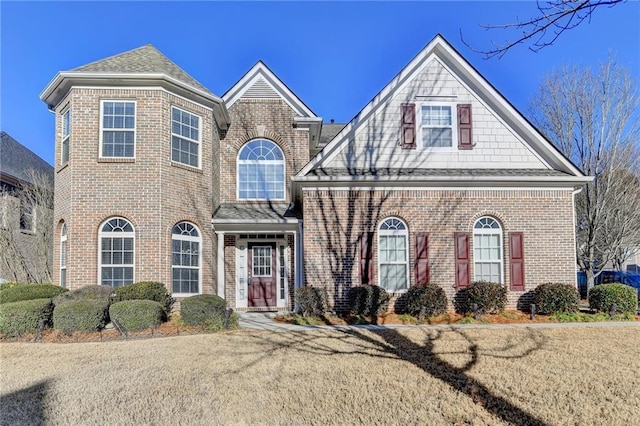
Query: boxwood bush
[(92, 292), (552, 298), (490, 297), (368, 300), (311, 301), (22, 317), (602, 296), (18, 293), (206, 310), (83, 315), (145, 290), (135, 315), (429, 300)]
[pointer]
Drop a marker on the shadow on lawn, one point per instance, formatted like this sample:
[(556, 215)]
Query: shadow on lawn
[(24, 406), (392, 344)]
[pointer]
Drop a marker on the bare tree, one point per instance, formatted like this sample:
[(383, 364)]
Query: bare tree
[(592, 116), (553, 18), (26, 234)]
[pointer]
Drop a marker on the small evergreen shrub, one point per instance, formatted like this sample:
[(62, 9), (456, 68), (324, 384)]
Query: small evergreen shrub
[(368, 300), (429, 300), (490, 297), (145, 290), (20, 292), (91, 292), (4, 286), (205, 310), (22, 317), (135, 315), (553, 298), (311, 301), (83, 315), (602, 296)]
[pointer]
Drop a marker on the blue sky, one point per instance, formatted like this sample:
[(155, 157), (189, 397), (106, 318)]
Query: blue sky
[(334, 55)]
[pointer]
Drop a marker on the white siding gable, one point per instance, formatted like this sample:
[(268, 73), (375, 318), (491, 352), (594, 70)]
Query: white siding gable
[(375, 143)]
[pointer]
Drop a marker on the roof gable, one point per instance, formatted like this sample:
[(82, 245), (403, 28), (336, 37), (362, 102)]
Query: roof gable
[(261, 83), (451, 64)]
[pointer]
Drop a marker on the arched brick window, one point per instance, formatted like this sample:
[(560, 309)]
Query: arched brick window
[(261, 171), (488, 250), (116, 258)]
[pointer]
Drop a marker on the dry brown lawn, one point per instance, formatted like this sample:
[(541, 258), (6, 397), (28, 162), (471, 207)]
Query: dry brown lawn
[(569, 376)]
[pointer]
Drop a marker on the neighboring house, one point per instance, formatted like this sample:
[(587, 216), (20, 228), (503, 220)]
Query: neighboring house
[(250, 195), (24, 256)]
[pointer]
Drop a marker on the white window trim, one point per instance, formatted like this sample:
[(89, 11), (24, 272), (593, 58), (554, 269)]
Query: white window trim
[(135, 126), (66, 137), (256, 162), (491, 231), (63, 259), (454, 126), (198, 141), (117, 234), (394, 232), (197, 239)]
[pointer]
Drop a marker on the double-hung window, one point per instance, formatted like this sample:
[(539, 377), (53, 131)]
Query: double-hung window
[(185, 137), (63, 256), (487, 250), (393, 254), (437, 126), (185, 259), (116, 258), (118, 129), (66, 133)]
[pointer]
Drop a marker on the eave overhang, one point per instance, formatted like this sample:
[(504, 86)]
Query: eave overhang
[(63, 81)]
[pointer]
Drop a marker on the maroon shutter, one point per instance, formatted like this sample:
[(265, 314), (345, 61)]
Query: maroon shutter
[(408, 126), (422, 258), (516, 261), (465, 139), (462, 259), (366, 258)]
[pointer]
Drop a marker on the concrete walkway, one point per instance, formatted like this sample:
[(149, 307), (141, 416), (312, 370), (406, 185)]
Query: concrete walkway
[(264, 321)]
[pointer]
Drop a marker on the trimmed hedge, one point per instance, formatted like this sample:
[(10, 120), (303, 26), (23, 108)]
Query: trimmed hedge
[(490, 297), (22, 317), (206, 310), (84, 315), (145, 290), (4, 286), (552, 298), (368, 300), (431, 298), (625, 297), (91, 292), (20, 292), (134, 315), (311, 301)]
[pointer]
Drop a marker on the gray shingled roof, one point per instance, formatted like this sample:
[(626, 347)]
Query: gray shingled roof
[(252, 212), (435, 172), (145, 59), (17, 160), (329, 131)]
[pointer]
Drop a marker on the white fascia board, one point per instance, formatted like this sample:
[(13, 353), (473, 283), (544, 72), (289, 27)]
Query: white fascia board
[(261, 70), (57, 87), (255, 227)]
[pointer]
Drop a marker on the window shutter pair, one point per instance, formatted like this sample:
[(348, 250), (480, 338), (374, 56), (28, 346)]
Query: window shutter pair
[(465, 136), (516, 260)]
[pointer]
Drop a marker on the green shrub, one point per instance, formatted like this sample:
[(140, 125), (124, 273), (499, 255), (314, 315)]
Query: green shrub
[(490, 297), (368, 300), (4, 286), (553, 298), (22, 317), (428, 300), (20, 292), (602, 296), (311, 301), (83, 315), (134, 315), (91, 292), (205, 310), (145, 290)]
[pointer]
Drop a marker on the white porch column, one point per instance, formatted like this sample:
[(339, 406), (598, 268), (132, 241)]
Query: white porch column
[(297, 243), (220, 268)]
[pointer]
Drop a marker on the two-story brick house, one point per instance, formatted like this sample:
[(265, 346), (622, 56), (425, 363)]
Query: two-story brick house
[(250, 195)]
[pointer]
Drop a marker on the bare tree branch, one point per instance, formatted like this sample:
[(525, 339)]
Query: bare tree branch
[(554, 18)]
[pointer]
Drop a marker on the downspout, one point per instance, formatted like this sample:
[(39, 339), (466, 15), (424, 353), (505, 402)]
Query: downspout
[(575, 247)]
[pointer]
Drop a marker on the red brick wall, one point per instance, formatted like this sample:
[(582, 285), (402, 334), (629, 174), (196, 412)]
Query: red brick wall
[(333, 221)]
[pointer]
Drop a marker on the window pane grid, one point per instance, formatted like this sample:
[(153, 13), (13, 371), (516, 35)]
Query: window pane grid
[(393, 255), (487, 250), (118, 124), (185, 139), (261, 261), (185, 259), (437, 126), (116, 253)]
